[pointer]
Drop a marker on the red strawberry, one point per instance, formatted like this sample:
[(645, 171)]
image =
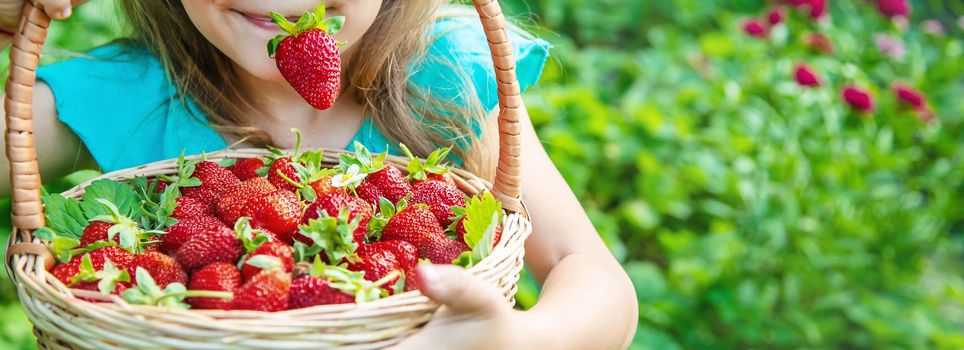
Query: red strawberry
[(440, 198), (308, 57), (323, 186), (390, 182), (376, 261), (182, 231), (203, 194), (279, 212), (405, 253), (332, 203), (65, 271), (282, 166), (446, 178), (188, 208), (412, 224), (274, 249), (120, 257), (369, 192), (205, 248), (441, 251), (266, 291), (164, 269), (96, 231), (231, 205), (310, 291), (214, 176), (246, 168), (217, 276)]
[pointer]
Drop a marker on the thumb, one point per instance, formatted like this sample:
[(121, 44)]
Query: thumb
[(458, 289)]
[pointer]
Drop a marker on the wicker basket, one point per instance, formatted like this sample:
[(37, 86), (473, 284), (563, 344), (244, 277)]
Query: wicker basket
[(62, 321)]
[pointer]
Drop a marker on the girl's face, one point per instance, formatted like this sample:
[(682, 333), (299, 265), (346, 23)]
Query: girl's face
[(241, 29)]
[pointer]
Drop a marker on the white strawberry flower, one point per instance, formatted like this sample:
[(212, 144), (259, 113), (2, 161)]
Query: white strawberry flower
[(352, 177)]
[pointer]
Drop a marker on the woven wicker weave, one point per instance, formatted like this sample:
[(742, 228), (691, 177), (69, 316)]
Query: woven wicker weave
[(62, 321)]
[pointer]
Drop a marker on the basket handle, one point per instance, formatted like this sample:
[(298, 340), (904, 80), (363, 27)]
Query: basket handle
[(27, 207)]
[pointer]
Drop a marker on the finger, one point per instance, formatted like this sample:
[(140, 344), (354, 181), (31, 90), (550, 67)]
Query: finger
[(56, 9), (458, 289)]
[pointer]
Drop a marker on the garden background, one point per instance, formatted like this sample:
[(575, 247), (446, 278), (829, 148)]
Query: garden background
[(750, 211)]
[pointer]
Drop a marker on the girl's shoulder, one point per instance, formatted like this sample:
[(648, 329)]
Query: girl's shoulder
[(119, 100), (459, 53)]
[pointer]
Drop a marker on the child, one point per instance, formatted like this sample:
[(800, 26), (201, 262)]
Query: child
[(195, 75)]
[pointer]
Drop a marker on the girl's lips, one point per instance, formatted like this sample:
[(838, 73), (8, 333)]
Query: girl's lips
[(263, 22)]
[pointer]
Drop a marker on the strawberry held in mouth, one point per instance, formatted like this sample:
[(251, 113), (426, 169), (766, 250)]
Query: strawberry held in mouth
[(308, 56)]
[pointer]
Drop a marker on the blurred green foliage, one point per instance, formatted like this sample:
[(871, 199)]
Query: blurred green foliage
[(748, 211)]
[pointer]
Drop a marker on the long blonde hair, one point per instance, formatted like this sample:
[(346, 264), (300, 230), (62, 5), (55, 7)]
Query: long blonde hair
[(379, 78)]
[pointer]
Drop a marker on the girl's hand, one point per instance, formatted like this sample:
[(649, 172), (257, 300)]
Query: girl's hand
[(473, 315)]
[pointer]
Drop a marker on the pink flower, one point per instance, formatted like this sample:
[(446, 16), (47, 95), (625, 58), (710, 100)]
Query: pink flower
[(933, 27), (858, 99), (754, 28), (775, 16), (817, 8), (890, 46), (909, 96), (805, 76), (818, 42), (926, 115), (894, 8)]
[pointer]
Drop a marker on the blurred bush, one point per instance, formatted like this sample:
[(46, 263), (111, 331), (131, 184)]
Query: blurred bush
[(749, 212)]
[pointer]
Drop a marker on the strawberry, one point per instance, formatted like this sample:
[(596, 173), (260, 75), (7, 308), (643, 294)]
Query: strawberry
[(376, 261), (218, 276), (325, 284), (390, 182), (105, 276), (208, 247), (123, 230), (279, 212), (65, 271), (409, 223), (432, 168), (120, 257), (440, 198), (162, 268), (96, 231), (246, 168), (332, 203), (182, 231), (405, 253), (280, 169), (310, 291), (203, 194), (189, 208), (266, 291), (214, 177), (230, 207), (323, 186), (308, 57), (274, 254), (441, 250), (370, 176)]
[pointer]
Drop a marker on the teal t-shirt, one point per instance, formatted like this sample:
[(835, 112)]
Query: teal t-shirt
[(123, 106)]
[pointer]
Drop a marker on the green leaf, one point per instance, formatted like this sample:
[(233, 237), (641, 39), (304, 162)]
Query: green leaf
[(64, 215), (334, 24), (120, 194), (482, 215), (282, 22), (265, 262)]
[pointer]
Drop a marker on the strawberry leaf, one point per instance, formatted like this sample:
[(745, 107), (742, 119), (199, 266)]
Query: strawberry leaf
[(64, 215), (282, 22), (333, 235), (121, 195), (333, 25), (482, 215)]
